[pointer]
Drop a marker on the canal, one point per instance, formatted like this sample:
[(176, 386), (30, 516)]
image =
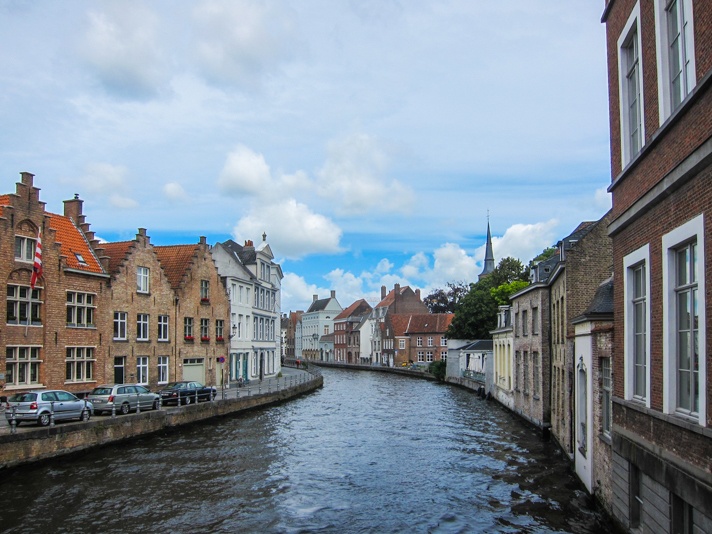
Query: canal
[(370, 452)]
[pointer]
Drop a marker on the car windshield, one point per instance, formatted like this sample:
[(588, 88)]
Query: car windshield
[(175, 385), (23, 397), (101, 391)]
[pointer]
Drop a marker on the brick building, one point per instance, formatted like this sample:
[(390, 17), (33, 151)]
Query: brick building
[(141, 348), (420, 338), (399, 300), (201, 312), (660, 81), (53, 332), (347, 333), (503, 354)]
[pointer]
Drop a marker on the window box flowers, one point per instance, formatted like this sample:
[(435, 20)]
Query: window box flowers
[(220, 339), (205, 339), (189, 338), (204, 300)]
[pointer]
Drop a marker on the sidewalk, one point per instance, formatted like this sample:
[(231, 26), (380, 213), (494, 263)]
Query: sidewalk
[(290, 376)]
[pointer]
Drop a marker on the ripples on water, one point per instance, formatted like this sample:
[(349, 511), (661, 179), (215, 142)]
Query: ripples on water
[(370, 452)]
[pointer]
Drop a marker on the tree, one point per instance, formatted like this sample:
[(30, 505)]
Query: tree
[(544, 255), (476, 313), (445, 301), (502, 293)]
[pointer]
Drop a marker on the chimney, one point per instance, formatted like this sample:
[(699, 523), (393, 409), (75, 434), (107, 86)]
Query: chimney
[(316, 297), (417, 293), (203, 240), (27, 178), (73, 208), (383, 292), (333, 293)]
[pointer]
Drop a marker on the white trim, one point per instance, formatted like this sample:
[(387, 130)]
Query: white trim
[(692, 229), (662, 48), (637, 257), (633, 24)]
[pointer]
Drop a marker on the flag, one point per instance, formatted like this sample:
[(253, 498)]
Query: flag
[(37, 266)]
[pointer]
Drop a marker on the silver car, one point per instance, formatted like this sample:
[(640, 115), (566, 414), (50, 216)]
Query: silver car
[(38, 406), (125, 397)]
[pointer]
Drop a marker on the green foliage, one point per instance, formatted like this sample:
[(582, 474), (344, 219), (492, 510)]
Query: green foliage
[(445, 301), (437, 369), (476, 313), (544, 255), (502, 293)]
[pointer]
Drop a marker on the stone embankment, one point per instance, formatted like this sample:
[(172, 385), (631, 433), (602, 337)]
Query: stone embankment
[(407, 371), (30, 444)]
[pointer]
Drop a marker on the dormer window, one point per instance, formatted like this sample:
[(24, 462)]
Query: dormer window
[(80, 258)]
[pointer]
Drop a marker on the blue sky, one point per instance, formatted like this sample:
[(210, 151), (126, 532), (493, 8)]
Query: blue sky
[(369, 139)]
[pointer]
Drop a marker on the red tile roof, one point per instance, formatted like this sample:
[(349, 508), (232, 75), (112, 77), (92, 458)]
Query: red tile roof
[(117, 253), (4, 201), (175, 260), (357, 308), (400, 324), (429, 323), (72, 243)]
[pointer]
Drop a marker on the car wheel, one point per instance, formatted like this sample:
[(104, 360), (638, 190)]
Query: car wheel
[(86, 415), (155, 405), (43, 419), (186, 400), (125, 408)]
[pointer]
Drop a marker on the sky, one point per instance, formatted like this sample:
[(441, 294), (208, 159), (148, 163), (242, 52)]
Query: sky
[(371, 140)]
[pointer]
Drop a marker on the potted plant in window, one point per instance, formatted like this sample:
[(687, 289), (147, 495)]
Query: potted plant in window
[(219, 339), (189, 338), (204, 339)]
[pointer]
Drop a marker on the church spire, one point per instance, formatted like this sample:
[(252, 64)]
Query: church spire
[(489, 255)]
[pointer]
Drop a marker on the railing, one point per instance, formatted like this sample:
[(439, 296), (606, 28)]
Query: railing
[(474, 375)]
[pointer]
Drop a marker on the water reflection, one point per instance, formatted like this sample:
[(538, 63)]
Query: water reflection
[(368, 453)]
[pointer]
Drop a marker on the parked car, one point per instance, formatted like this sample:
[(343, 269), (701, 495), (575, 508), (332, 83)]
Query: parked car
[(37, 406), (124, 396), (185, 392)]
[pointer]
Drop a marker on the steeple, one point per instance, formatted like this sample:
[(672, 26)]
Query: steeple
[(489, 255)]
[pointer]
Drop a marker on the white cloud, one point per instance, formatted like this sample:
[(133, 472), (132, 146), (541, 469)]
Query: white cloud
[(123, 47), (522, 241), (175, 192), (245, 171), (353, 177), (293, 229), (602, 198), (239, 42), (123, 203)]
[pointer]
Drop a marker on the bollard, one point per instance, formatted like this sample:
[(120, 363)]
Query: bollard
[(196, 396), (85, 407), (138, 403), (13, 420), (51, 413), (113, 410), (160, 402)]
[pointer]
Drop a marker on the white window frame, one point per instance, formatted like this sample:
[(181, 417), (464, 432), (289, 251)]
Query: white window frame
[(163, 333), (636, 258), (27, 357), (120, 319), (163, 369), (687, 53), (689, 231), (81, 309), (401, 344), (631, 30), (606, 396), (26, 246), (142, 325), (143, 275), (79, 364), (142, 370)]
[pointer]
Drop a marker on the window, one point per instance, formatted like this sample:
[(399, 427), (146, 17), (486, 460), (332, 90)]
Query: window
[(142, 279), (80, 364), (525, 376), (419, 341), (162, 369), (675, 53), (401, 344), (429, 356), (516, 324), (630, 94), (525, 323), (637, 325), (120, 319), (582, 409), (536, 378), (219, 328), (204, 290), (443, 355), (80, 309), (606, 396), (430, 341), (142, 370), (517, 369), (24, 249), (163, 328), (684, 340), (205, 329), (22, 366), (421, 356), (142, 327), (443, 341), (535, 321), (23, 305), (188, 328)]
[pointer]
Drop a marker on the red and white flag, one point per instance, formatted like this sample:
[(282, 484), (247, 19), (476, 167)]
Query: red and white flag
[(37, 266)]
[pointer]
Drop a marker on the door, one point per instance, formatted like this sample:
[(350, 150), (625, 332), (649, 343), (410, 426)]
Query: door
[(194, 369), (245, 363), (119, 365)]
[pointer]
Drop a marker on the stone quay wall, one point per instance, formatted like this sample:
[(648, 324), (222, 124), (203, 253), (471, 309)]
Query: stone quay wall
[(31, 445)]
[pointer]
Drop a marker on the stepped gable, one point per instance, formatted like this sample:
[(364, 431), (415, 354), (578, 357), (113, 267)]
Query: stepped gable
[(4, 201), (175, 261), (117, 253), (74, 246)]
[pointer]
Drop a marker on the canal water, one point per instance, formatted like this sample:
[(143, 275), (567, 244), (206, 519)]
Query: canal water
[(370, 452)]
